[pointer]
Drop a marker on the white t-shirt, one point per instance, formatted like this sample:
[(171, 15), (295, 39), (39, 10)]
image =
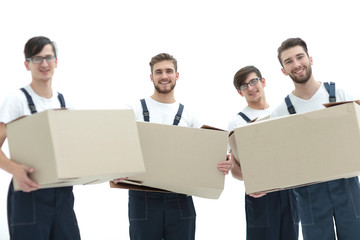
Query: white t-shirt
[(314, 103), (164, 113), (15, 105), (251, 114)]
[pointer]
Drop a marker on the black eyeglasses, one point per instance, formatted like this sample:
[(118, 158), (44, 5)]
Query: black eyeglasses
[(38, 60), (252, 82)]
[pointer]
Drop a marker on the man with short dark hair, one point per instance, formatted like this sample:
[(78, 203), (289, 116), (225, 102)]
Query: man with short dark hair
[(268, 216), (323, 204), (153, 215), (35, 213)]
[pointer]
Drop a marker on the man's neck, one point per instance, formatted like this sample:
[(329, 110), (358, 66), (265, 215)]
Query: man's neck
[(259, 105), (306, 90), (42, 88), (164, 98)]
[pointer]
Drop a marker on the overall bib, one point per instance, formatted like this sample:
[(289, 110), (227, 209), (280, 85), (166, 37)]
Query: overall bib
[(44, 214), (157, 216), (323, 204), (271, 217)]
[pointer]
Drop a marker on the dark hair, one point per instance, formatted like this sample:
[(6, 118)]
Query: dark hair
[(36, 44), (243, 73), (162, 57), (289, 43)]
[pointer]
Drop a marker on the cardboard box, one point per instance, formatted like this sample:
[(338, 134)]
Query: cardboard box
[(69, 147), (181, 159), (299, 149)]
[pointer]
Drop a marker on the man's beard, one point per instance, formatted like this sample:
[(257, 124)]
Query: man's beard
[(302, 80), (159, 90)]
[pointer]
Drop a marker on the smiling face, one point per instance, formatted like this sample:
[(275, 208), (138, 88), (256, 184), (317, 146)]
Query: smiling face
[(253, 94), (296, 64), (43, 71), (164, 77)]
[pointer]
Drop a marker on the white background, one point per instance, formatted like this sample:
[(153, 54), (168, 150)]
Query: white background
[(104, 50)]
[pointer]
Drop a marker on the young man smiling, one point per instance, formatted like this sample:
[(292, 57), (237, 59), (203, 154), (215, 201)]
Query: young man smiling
[(323, 204), (268, 217), (152, 215), (35, 214)]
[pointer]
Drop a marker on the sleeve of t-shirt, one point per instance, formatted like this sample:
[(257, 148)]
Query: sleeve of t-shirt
[(195, 122), (342, 95), (11, 109), (136, 107), (192, 120), (280, 110), (236, 122)]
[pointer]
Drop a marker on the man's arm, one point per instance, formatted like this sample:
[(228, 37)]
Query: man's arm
[(237, 173), (19, 172), (236, 168), (225, 166)]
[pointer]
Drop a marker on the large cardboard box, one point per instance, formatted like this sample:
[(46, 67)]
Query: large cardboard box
[(181, 159), (69, 147), (299, 149)]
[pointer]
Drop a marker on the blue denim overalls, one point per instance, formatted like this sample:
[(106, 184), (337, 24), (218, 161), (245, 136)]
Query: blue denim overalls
[(323, 204), (157, 216), (43, 214), (271, 217)]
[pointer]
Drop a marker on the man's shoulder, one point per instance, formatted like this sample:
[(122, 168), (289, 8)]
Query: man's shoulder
[(13, 105), (340, 92), (279, 110), (15, 95), (235, 122)]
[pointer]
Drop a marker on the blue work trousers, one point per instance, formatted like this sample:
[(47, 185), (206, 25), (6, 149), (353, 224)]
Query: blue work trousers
[(271, 217), (324, 204), (157, 216), (45, 214)]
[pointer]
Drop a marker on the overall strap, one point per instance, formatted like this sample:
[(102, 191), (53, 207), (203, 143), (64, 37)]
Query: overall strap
[(146, 113), (331, 90), (289, 105), (61, 100), (178, 114), (30, 101), (145, 110), (244, 117), (32, 105)]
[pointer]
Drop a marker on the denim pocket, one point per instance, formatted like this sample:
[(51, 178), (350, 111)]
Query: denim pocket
[(68, 195), (257, 211), (22, 208), (294, 206), (354, 191), (186, 206), (304, 204), (138, 205)]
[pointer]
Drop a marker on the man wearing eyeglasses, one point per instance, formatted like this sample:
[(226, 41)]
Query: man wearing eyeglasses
[(268, 216), (331, 205), (35, 213)]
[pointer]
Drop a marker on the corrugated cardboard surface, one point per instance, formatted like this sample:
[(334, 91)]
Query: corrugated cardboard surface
[(182, 159), (68, 147), (299, 149)]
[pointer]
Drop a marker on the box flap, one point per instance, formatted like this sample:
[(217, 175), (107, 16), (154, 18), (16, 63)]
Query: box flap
[(327, 105), (211, 128), (136, 187)]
